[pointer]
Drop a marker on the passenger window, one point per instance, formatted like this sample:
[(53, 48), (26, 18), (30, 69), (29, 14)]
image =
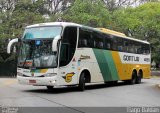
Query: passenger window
[(100, 45), (98, 40), (125, 46), (145, 49), (119, 44), (85, 39), (138, 49), (114, 44), (108, 42), (84, 42), (131, 47)]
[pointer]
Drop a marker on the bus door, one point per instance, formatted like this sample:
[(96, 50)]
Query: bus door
[(67, 60)]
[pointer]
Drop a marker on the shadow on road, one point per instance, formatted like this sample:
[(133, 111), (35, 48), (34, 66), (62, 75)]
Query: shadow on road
[(75, 88)]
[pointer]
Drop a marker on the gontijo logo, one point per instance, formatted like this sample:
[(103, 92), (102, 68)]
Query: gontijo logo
[(130, 58), (68, 77)]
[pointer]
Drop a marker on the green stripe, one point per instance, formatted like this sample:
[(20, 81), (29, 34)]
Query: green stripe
[(36, 70), (106, 64)]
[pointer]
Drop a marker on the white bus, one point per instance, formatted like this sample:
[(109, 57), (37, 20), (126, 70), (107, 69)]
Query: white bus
[(63, 54)]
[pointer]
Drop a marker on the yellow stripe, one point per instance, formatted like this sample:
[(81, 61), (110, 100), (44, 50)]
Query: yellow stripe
[(43, 70), (111, 31), (125, 70)]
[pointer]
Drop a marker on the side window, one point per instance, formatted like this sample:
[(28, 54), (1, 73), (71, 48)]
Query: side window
[(108, 42), (138, 48), (120, 44), (114, 43), (126, 45), (68, 45), (85, 39), (131, 46), (145, 49), (98, 39)]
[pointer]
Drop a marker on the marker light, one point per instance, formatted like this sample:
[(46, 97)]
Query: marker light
[(38, 42)]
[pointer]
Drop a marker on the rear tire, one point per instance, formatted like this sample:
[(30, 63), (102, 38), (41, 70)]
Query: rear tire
[(50, 87), (134, 76), (81, 85), (139, 78)]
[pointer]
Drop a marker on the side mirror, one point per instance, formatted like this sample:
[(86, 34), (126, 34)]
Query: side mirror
[(55, 43), (10, 44)]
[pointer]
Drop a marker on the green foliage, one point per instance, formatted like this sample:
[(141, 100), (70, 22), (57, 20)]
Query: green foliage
[(12, 23), (27, 5), (142, 22), (24, 14), (88, 12)]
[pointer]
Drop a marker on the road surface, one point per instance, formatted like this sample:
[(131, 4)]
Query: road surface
[(71, 100)]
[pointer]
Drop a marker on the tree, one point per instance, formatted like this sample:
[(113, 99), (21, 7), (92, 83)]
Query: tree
[(87, 12), (54, 6), (113, 5), (141, 22), (14, 16)]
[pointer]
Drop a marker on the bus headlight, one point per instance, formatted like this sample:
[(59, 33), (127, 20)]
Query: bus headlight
[(50, 74)]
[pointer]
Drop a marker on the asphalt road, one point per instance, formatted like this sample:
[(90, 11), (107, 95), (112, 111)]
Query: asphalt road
[(70, 100)]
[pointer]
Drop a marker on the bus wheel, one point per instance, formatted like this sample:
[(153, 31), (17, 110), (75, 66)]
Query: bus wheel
[(139, 78), (133, 80), (82, 82), (50, 87)]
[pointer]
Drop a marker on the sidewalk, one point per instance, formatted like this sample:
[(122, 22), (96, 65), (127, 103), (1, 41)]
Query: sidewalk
[(155, 73), (7, 81)]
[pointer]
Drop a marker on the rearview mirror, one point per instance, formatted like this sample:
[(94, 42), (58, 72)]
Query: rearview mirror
[(10, 44), (55, 43)]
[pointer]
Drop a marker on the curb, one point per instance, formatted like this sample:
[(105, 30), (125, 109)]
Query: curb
[(155, 76)]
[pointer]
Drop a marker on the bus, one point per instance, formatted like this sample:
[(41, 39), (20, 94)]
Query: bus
[(65, 54)]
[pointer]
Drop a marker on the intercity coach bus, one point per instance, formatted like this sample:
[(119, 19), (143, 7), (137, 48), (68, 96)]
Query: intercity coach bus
[(64, 54)]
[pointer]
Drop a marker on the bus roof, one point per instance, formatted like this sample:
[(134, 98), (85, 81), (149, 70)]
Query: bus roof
[(54, 24), (119, 34), (103, 30), (111, 31)]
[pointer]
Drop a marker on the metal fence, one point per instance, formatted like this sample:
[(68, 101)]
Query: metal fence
[(8, 69)]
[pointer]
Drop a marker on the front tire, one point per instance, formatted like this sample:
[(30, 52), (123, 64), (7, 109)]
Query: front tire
[(81, 85)]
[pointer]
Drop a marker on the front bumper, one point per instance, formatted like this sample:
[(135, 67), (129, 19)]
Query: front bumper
[(38, 81)]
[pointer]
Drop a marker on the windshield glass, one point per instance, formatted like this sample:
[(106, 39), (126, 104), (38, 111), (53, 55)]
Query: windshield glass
[(36, 54), (42, 32)]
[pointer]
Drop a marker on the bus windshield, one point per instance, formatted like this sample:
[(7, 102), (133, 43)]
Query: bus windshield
[(36, 47), (42, 32), (36, 54)]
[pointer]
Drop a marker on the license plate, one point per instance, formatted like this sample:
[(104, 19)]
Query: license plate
[(32, 81)]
